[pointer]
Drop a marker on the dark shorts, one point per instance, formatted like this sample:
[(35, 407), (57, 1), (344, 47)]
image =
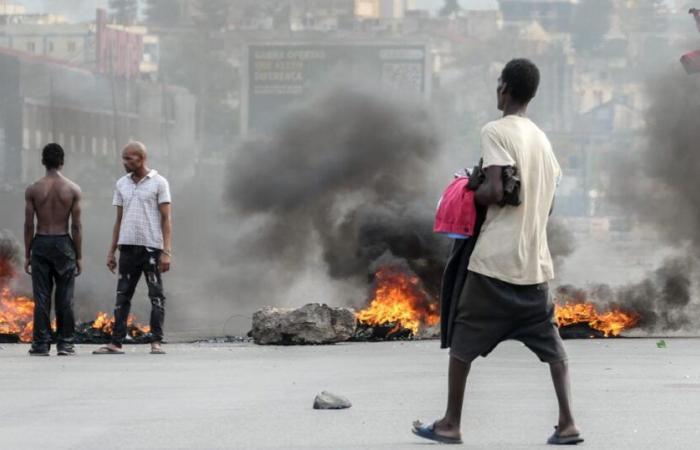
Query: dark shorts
[(491, 311)]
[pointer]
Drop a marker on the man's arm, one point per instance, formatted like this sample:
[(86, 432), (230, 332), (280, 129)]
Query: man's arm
[(491, 190), (76, 231), (111, 258), (28, 228), (166, 226)]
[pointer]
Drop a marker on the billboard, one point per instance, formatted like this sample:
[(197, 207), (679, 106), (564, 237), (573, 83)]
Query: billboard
[(278, 75)]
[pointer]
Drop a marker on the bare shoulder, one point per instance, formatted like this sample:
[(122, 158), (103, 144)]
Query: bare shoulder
[(31, 189), (72, 188)]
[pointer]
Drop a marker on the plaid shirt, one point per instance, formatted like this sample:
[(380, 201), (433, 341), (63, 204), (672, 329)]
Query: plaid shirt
[(141, 216)]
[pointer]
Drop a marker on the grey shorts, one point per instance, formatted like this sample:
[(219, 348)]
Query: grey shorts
[(491, 311)]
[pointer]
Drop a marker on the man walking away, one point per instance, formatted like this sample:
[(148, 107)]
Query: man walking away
[(506, 295), (52, 258), (142, 235)]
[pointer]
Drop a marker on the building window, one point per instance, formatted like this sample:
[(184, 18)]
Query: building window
[(31, 46), (50, 47), (71, 46)]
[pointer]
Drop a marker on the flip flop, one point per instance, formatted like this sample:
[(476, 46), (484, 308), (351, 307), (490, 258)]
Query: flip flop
[(157, 351), (557, 439), (107, 351), (428, 432)]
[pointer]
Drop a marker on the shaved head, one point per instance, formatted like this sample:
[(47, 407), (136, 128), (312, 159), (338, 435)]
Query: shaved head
[(138, 148), (134, 157)]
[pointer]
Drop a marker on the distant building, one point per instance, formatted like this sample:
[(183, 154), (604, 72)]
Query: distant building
[(90, 115), (321, 15), (17, 14), (115, 49), (553, 15)]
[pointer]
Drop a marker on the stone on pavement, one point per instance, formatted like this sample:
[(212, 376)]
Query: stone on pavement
[(327, 400)]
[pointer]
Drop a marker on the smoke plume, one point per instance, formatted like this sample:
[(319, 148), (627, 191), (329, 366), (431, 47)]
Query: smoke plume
[(656, 185), (348, 172), (10, 257), (663, 300)]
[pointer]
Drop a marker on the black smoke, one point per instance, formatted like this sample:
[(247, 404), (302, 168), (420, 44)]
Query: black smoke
[(657, 185), (349, 172), (663, 299)]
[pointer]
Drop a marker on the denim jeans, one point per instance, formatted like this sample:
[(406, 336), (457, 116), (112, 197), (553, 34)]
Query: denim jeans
[(135, 260)]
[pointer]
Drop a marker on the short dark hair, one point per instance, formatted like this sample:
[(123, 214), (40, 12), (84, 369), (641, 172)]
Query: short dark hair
[(52, 156), (522, 78)]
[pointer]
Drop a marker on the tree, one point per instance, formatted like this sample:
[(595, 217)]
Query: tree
[(164, 13), (450, 7), (590, 24), (124, 12)]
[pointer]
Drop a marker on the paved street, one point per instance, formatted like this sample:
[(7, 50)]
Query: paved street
[(628, 394)]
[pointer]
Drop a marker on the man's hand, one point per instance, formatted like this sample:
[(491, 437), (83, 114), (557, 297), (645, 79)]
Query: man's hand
[(78, 267), (112, 262), (27, 266), (164, 262)]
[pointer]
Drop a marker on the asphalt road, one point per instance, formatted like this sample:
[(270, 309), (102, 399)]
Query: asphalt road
[(628, 394)]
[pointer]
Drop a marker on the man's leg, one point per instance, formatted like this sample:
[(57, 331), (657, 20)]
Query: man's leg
[(456, 385), (65, 319), (42, 285), (130, 268), (155, 293), (562, 387)]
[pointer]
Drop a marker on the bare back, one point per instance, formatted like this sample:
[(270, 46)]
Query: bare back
[(53, 199)]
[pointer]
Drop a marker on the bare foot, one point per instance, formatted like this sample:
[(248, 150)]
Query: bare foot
[(567, 430), (444, 428), (156, 349)]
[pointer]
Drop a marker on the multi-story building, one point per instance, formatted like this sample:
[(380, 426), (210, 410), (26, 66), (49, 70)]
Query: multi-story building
[(553, 15), (109, 48), (90, 114)]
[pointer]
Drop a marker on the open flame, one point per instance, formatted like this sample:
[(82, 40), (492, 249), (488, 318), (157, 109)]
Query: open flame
[(105, 323), (17, 318), (399, 300), (610, 323), (16, 315)]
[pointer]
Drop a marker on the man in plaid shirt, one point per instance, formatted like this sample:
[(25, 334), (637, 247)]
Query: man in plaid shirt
[(142, 233)]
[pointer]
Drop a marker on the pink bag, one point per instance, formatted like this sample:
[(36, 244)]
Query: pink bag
[(456, 212)]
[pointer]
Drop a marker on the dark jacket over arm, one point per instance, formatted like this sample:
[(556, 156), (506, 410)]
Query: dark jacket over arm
[(454, 277)]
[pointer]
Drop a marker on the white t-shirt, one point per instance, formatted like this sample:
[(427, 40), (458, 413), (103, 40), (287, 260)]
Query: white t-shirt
[(512, 246)]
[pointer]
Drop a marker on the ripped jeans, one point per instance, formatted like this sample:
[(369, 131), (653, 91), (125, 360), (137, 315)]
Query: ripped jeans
[(133, 261)]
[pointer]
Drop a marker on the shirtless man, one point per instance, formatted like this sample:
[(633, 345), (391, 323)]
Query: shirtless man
[(51, 256)]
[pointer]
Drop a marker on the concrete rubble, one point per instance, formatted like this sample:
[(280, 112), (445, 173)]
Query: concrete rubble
[(313, 323)]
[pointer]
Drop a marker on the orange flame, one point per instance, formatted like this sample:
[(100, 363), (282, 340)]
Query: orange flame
[(105, 323), (17, 318), (610, 323), (399, 298), (16, 315)]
